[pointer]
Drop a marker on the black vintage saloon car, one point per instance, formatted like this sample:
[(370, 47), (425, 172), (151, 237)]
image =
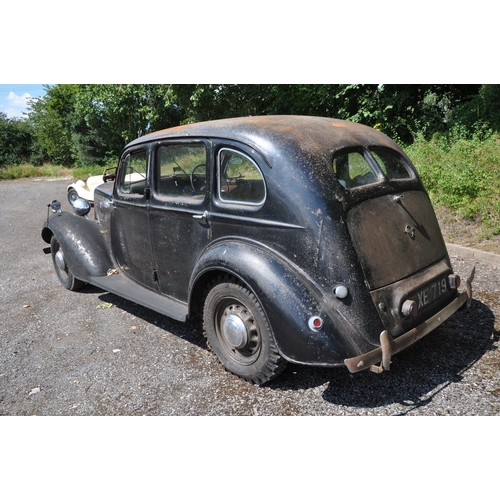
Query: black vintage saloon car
[(298, 239)]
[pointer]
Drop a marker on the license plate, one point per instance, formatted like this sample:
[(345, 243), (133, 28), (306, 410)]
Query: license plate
[(427, 295)]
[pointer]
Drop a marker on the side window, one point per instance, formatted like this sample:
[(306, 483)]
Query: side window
[(133, 180), (391, 165), (182, 170), (352, 170), (239, 179)]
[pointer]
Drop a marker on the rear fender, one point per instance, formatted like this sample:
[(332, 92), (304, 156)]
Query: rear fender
[(85, 249), (289, 299)]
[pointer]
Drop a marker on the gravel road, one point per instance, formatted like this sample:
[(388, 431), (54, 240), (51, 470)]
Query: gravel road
[(92, 353)]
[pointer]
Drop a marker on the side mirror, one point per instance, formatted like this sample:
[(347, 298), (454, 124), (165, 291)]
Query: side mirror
[(81, 207), (109, 174)]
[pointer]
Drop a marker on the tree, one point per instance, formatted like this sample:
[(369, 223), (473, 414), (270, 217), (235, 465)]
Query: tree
[(16, 141), (87, 123), (51, 117)]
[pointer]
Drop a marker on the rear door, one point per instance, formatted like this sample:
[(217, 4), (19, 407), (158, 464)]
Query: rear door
[(179, 219)]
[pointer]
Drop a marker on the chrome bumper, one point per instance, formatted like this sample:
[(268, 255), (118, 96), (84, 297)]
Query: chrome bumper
[(389, 347)]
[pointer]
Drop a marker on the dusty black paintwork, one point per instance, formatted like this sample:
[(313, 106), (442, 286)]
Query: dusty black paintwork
[(381, 241)]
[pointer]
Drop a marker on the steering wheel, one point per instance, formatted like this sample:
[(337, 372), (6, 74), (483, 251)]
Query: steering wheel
[(194, 179)]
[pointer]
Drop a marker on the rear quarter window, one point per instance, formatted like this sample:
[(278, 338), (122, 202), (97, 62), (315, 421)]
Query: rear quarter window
[(239, 179)]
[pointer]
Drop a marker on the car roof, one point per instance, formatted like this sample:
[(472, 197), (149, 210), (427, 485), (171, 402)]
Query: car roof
[(266, 133)]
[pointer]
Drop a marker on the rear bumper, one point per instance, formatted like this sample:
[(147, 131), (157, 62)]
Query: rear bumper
[(389, 347)]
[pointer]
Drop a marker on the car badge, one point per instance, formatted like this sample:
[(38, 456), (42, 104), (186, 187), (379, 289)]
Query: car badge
[(410, 231)]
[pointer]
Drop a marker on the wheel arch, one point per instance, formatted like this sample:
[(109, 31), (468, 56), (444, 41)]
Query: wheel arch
[(84, 246), (286, 298)]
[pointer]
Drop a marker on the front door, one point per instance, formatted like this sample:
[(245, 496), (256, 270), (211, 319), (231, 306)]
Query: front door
[(130, 236)]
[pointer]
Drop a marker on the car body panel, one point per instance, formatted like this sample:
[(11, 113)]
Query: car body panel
[(382, 229)]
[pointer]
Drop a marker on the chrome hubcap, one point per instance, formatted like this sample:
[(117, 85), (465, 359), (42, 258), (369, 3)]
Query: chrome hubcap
[(59, 259), (237, 331), (234, 330)]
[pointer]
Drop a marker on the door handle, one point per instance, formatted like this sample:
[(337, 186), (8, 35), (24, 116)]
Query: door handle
[(203, 216)]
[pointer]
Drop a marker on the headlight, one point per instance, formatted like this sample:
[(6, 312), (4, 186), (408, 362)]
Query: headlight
[(81, 207)]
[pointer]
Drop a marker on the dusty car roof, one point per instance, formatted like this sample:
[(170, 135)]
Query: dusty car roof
[(265, 132)]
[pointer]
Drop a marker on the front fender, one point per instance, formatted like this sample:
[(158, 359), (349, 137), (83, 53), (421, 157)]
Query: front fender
[(85, 249), (289, 299)]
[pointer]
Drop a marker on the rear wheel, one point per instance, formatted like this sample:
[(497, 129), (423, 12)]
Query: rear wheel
[(60, 265), (238, 332)]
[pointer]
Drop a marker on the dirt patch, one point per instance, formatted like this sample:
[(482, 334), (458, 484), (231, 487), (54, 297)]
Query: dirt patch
[(466, 232)]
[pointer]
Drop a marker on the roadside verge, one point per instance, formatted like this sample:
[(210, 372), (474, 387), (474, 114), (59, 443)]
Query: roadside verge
[(489, 258)]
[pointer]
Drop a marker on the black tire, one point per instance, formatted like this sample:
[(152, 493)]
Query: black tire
[(72, 195), (60, 265), (239, 334)]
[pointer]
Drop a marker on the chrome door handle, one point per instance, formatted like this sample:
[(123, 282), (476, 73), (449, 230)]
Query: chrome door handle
[(203, 216)]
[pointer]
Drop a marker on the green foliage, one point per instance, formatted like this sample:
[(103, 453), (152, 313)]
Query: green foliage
[(463, 175), (16, 142), (51, 120), (480, 115), (29, 170)]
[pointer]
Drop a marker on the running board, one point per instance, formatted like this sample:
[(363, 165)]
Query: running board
[(121, 285)]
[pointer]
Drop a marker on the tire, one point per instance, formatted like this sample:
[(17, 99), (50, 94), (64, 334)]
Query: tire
[(63, 273), (72, 195), (239, 334)]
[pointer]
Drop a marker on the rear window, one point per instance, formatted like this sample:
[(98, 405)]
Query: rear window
[(352, 170), (363, 167), (392, 165)]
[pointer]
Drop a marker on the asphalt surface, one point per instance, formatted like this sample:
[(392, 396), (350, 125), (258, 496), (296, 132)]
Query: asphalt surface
[(92, 353)]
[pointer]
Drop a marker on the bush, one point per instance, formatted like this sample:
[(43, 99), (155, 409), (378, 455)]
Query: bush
[(463, 176)]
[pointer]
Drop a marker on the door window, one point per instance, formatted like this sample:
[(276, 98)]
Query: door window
[(133, 180), (182, 170)]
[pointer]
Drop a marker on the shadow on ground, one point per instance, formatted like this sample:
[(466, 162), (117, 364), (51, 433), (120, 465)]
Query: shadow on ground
[(417, 374), (422, 371)]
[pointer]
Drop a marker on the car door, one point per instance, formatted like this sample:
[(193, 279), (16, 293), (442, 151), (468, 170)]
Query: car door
[(130, 233), (179, 221)]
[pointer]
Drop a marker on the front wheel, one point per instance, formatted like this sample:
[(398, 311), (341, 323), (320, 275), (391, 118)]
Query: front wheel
[(238, 332), (60, 265), (72, 195)]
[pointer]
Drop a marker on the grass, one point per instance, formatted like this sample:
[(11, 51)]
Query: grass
[(462, 176), (47, 170)]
